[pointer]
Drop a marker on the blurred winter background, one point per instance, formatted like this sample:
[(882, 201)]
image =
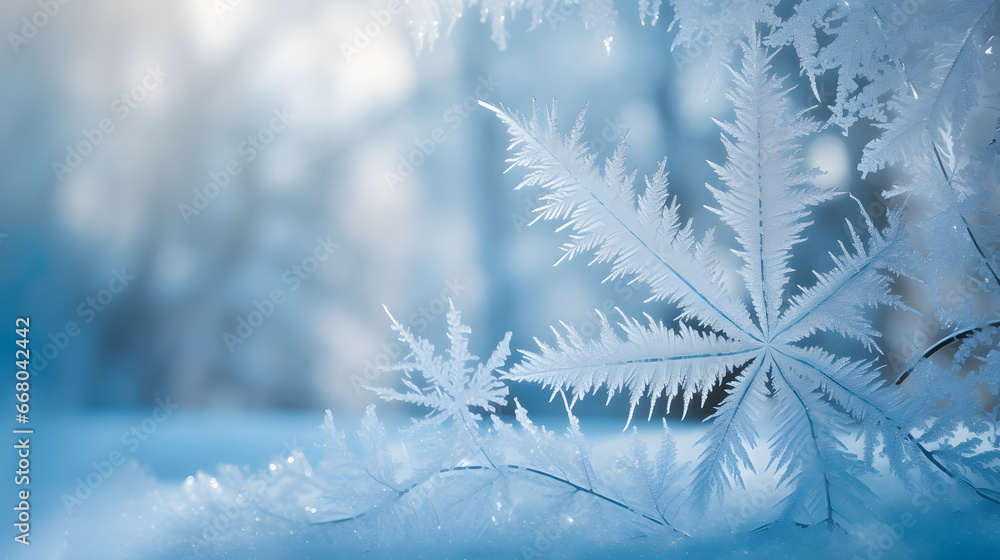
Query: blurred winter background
[(190, 87)]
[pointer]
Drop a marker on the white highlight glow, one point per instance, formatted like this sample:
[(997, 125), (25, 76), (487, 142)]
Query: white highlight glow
[(829, 153)]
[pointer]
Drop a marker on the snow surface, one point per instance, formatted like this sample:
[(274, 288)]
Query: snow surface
[(129, 515)]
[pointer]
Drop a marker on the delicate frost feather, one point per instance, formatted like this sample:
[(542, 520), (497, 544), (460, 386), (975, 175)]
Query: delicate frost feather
[(451, 389), (933, 116), (767, 201), (651, 361), (863, 75), (601, 212)]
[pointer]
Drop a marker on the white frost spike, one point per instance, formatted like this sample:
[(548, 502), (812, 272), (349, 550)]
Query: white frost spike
[(596, 15)]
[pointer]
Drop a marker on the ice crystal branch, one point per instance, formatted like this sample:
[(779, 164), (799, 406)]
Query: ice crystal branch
[(766, 199)]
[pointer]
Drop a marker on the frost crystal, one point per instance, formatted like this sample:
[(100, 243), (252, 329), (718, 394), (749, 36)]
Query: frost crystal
[(765, 351)]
